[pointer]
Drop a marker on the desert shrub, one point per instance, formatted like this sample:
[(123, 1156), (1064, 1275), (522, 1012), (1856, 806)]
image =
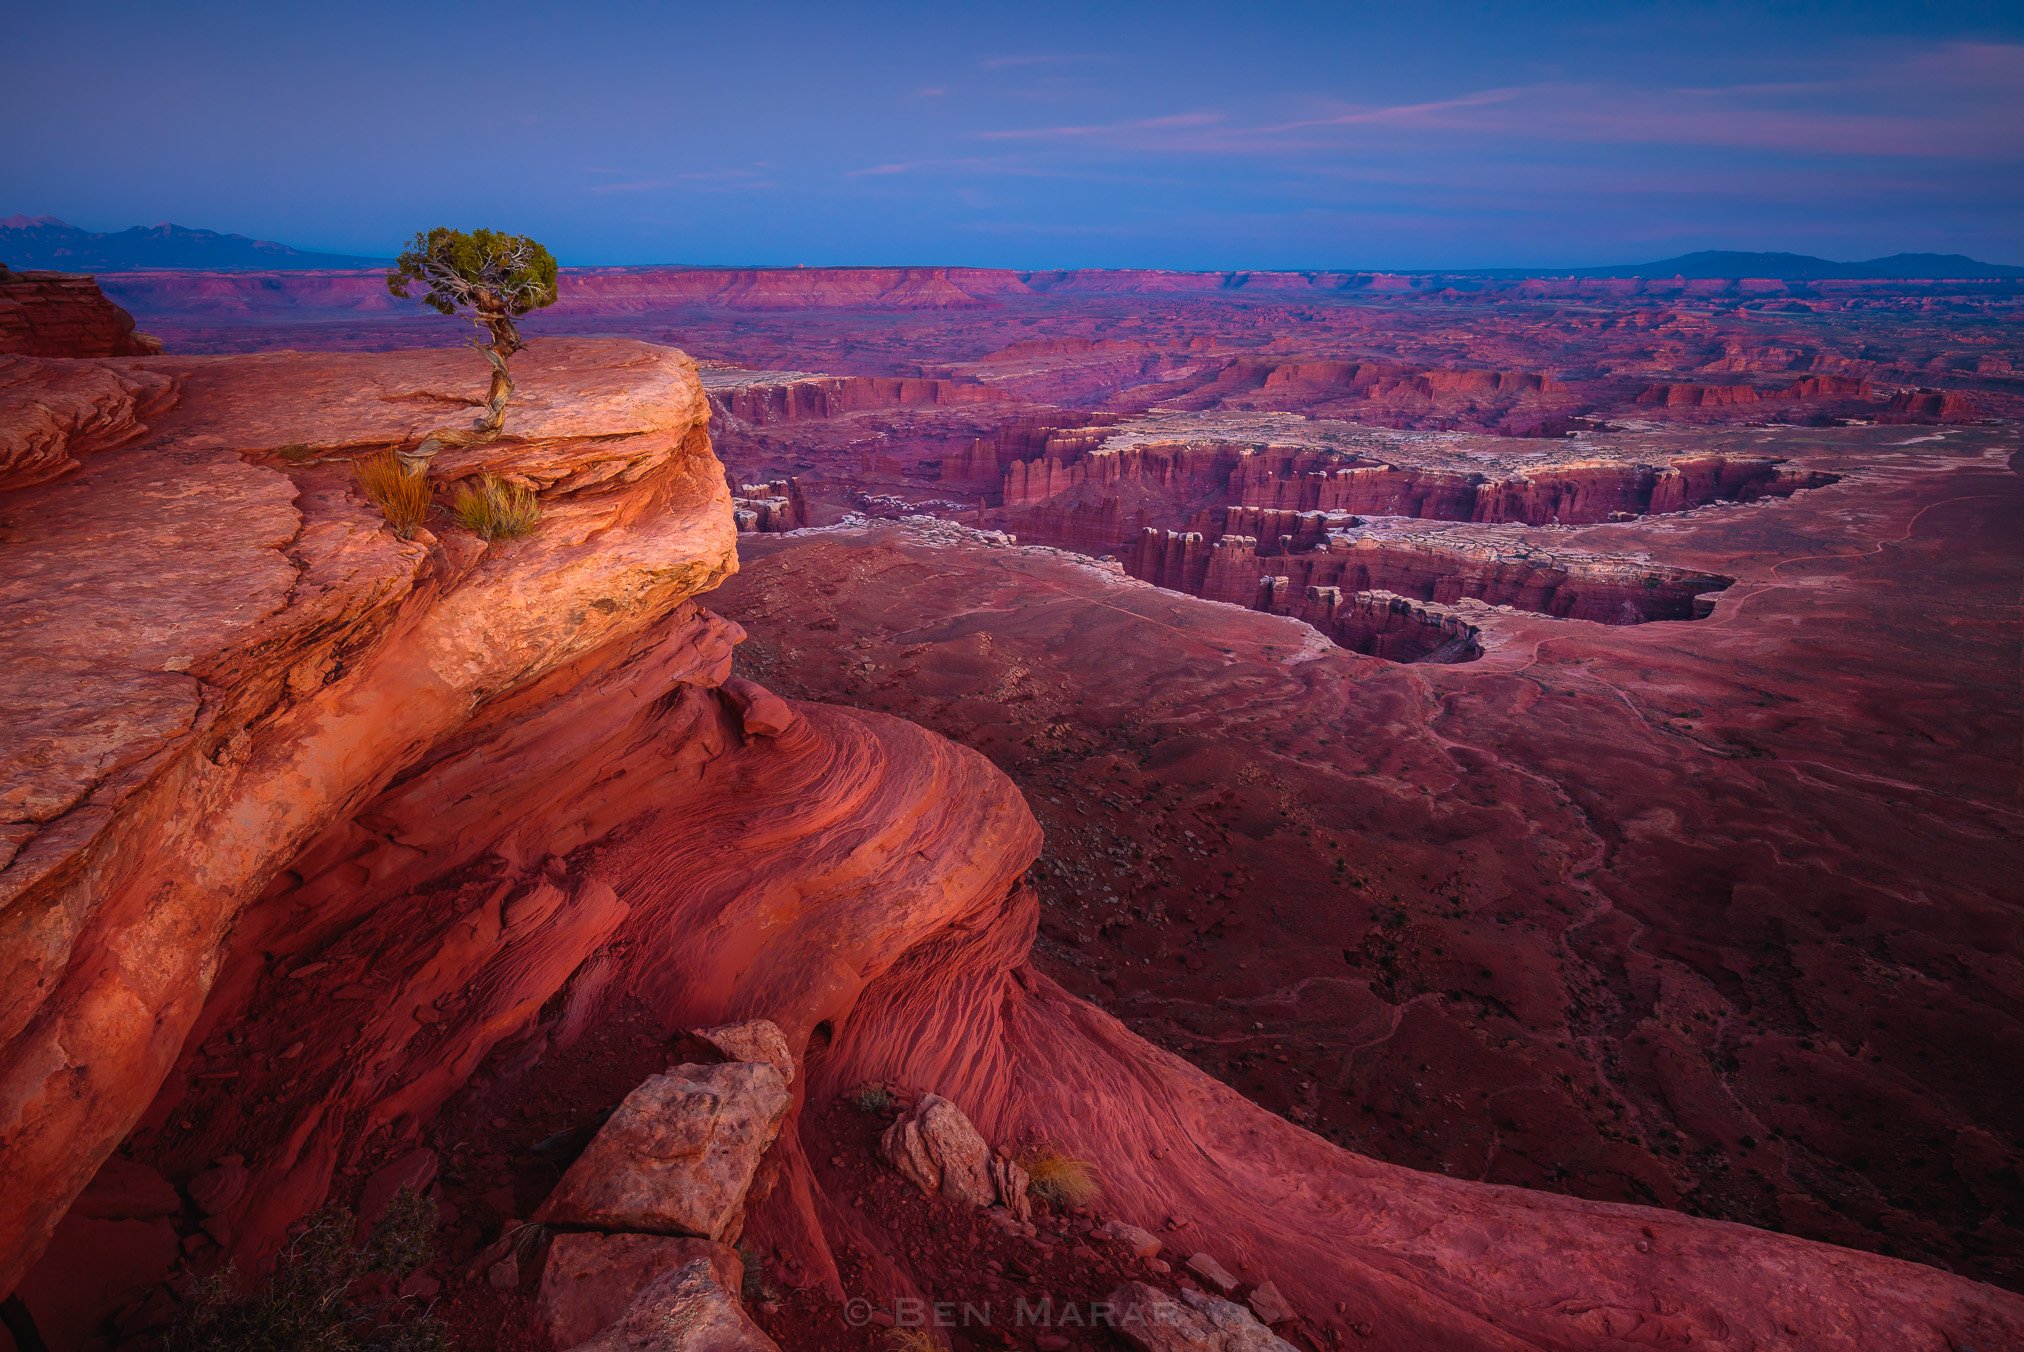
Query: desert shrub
[(403, 498), (1058, 1178), (872, 1097), (495, 509), (313, 1302)]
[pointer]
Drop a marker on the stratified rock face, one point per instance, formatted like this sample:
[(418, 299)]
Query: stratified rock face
[(1436, 568), (54, 413), (678, 1156), (1096, 500), (216, 649), (774, 506), (60, 314), (318, 830)]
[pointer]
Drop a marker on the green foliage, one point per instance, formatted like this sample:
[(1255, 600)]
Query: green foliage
[(486, 271), (312, 1302)]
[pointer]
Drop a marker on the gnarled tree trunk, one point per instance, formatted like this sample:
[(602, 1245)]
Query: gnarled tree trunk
[(497, 322)]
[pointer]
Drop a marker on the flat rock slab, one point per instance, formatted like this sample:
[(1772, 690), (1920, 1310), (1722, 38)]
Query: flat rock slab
[(678, 1155)]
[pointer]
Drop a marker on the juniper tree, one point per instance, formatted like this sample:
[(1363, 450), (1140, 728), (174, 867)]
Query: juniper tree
[(492, 278)]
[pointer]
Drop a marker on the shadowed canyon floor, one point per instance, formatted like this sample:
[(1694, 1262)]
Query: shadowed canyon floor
[(1640, 913), (1665, 854)]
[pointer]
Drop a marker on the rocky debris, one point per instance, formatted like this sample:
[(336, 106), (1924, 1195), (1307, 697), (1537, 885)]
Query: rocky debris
[(935, 1147), (1153, 1321), (691, 1309), (761, 712), (62, 314), (591, 1280), (753, 1040), (1142, 1243), (1213, 1273), (678, 1155), (217, 1188), (1268, 1304), (1011, 1183), (938, 1150)]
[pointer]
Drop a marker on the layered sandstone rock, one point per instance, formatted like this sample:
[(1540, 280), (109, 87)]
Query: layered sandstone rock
[(318, 830), (774, 506), (61, 314), (55, 413), (1431, 569), (217, 651), (1094, 500)]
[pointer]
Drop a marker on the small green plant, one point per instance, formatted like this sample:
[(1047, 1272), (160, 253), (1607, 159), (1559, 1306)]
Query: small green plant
[(403, 498), (1058, 1178), (309, 1305), (495, 509), (872, 1097)]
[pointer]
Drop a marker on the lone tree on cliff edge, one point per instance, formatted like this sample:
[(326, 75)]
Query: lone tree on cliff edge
[(492, 276)]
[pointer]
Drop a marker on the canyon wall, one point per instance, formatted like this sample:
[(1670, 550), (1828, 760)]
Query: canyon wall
[(1087, 498), (318, 835), (1428, 569)]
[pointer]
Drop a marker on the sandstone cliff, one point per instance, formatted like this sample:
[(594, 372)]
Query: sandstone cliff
[(310, 829), (60, 314)]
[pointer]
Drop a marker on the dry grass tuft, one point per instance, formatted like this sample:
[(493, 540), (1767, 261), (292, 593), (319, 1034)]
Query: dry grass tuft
[(403, 498), (1058, 1178), (911, 1340), (495, 509), (315, 1300)]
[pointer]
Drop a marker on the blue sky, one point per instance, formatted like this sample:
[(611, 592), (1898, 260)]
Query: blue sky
[(1034, 135)]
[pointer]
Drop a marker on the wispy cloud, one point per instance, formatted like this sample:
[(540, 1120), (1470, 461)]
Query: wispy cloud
[(1019, 60), (1169, 122), (1954, 101)]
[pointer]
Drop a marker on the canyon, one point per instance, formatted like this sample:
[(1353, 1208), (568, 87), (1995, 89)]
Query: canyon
[(1474, 852)]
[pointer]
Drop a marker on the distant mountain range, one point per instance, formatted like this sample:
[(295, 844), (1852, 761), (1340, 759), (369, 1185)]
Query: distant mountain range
[(45, 242), (39, 242), (1792, 267)]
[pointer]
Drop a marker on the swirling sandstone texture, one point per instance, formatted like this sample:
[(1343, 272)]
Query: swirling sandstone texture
[(311, 830)]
